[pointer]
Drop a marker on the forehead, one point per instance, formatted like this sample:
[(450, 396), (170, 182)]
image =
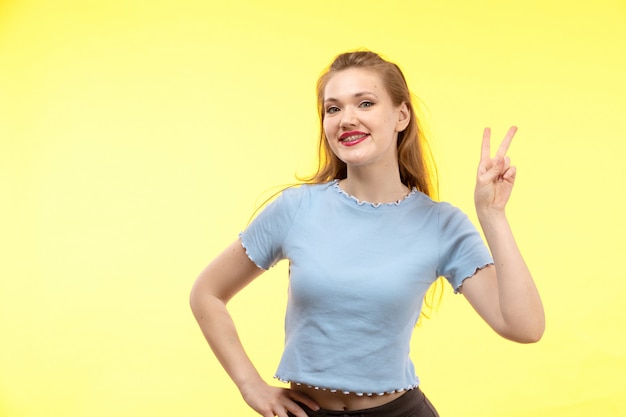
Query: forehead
[(353, 81)]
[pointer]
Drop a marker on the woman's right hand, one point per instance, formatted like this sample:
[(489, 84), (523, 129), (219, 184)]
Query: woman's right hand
[(270, 401)]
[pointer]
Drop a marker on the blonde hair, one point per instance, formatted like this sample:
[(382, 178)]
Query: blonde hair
[(417, 169)]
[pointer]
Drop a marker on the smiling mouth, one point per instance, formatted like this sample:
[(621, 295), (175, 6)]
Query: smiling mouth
[(353, 138)]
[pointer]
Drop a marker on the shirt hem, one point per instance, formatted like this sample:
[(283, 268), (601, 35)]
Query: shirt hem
[(459, 289), (347, 392)]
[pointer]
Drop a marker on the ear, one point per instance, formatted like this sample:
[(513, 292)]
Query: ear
[(404, 117)]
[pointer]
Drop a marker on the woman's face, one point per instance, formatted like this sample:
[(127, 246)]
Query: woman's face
[(360, 121)]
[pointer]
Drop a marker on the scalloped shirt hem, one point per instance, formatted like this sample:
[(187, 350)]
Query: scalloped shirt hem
[(359, 394), (459, 289)]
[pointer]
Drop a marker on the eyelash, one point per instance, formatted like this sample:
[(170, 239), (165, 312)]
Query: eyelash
[(366, 104)]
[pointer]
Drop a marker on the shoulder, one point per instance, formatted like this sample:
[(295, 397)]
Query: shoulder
[(299, 192), (294, 197), (446, 209), (424, 203), (447, 215)]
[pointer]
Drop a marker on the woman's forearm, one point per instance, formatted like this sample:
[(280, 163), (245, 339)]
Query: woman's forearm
[(220, 332), (224, 277), (520, 303)]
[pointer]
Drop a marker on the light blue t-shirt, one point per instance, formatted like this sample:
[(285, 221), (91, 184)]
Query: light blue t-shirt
[(358, 275)]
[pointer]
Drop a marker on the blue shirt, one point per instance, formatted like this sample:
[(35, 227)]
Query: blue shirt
[(358, 275)]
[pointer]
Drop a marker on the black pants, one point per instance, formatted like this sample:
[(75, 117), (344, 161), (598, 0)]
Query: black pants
[(412, 404)]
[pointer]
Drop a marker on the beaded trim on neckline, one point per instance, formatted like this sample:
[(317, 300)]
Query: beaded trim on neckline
[(335, 184)]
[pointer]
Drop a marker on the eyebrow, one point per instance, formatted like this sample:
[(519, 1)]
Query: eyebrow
[(356, 95)]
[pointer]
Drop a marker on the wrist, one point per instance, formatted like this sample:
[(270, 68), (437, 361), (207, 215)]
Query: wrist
[(491, 211), (488, 216), (250, 384)]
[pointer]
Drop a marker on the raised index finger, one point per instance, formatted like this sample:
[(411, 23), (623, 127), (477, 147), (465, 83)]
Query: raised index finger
[(506, 142), (485, 150)]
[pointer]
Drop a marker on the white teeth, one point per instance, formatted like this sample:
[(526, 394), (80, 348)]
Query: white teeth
[(352, 138)]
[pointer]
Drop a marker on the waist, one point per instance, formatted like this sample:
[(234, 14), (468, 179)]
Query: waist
[(339, 401)]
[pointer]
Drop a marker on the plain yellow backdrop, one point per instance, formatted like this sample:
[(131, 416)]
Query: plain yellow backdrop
[(137, 137)]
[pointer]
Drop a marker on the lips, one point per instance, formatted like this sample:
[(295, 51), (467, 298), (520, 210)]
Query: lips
[(352, 138)]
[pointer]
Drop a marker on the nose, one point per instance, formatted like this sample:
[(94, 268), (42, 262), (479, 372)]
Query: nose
[(348, 118)]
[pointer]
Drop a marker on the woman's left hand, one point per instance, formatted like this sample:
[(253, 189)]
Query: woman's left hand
[(495, 177)]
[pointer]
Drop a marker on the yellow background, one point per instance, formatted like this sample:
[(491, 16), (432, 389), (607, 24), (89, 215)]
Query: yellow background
[(138, 136)]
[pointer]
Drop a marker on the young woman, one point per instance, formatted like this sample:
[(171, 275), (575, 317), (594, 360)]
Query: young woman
[(365, 241)]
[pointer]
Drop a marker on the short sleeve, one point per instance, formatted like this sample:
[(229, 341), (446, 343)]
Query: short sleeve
[(264, 237), (462, 251)]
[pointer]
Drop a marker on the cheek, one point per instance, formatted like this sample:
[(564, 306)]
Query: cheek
[(330, 131), (329, 127)]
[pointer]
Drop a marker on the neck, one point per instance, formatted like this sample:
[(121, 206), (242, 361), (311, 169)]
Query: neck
[(374, 186)]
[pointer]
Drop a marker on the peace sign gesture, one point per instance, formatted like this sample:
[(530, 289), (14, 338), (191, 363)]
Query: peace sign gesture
[(495, 177)]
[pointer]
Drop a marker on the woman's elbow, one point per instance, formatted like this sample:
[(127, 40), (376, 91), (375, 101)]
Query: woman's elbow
[(529, 338), (198, 298), (528, 335), (194, 300)]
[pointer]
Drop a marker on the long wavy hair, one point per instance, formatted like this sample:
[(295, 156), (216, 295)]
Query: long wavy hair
[(417, 168)]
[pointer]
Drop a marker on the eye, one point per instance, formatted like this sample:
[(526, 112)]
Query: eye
[(332, 109), (366, 104)]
